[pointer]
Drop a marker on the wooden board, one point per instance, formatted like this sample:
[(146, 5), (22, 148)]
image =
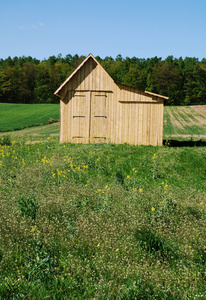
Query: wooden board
[(80, 117), (99, 117)]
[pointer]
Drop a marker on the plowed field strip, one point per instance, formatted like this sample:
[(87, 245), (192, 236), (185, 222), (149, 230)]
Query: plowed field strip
[(185, 121), (201, 109)]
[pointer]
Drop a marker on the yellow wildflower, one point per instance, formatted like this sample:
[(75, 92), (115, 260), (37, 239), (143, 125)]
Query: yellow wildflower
[(153, 208), (33, 229)]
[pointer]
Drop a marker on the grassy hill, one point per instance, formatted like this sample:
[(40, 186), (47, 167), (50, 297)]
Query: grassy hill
[(101, 221)]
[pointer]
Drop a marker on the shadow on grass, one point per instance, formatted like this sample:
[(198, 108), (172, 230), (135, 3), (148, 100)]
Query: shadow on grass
[(190, 143)]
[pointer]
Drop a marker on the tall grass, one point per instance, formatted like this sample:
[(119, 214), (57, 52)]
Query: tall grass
[(102, 221)]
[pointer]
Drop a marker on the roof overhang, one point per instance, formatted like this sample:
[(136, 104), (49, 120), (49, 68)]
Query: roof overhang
[(156, 95)]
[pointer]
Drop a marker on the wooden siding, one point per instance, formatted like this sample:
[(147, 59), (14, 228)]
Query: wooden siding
[(95, 109), (92, 77), (100, 117), (130, 94)]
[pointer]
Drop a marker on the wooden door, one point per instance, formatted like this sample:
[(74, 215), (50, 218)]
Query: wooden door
[(80, 117), (98, 117)]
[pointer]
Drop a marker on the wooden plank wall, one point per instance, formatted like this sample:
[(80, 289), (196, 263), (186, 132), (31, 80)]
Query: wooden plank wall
[(138, 118), (132, 116), (91, 77)]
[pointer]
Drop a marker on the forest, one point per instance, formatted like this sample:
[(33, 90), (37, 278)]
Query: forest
[(29, 80)]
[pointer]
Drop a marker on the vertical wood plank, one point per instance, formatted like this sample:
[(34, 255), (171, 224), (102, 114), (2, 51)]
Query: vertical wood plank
[(144, 126), (136, 124), (140, 124), (148, 123)]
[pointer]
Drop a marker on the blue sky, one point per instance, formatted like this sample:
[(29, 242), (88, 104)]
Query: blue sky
[(141, 28)]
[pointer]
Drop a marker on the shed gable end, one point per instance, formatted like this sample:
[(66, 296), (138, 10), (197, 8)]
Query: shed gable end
[(90, 76)]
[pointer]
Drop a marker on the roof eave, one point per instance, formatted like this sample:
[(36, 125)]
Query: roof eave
[(157, 95)]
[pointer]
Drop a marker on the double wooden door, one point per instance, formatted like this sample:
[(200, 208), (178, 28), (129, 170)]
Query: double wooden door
[(89, 117)]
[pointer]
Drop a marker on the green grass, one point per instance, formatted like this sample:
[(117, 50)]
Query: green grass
[(18, 116), (101, 221), (49, 129)]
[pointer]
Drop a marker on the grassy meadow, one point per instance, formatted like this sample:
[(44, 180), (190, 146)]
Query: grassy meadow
[(101, 221), (18, 116)]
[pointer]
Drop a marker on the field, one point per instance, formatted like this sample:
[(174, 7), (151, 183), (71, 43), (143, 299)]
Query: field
[(18, 116), (100, 221), (185, 122)]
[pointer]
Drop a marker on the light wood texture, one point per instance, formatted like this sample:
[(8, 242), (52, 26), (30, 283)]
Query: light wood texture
[(93, 109)]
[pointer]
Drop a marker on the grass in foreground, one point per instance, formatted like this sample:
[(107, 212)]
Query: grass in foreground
[(18, 116), (102, 221)]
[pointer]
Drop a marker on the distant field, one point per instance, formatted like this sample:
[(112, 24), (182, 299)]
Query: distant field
[(185, 121), (18, 116)]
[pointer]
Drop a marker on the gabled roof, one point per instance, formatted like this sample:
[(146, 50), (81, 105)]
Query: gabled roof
[(77, 69), (82, 64)]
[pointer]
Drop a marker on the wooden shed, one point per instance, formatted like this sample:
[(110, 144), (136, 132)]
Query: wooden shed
[(94, 108)]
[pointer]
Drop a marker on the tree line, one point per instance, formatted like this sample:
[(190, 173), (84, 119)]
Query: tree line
[(29, 80)]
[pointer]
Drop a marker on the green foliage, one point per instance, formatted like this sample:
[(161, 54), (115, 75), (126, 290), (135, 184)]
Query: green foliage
[(28, 80), (166, 80)]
